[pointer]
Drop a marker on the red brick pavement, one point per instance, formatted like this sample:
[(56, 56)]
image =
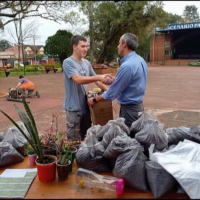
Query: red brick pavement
[(168, 88)]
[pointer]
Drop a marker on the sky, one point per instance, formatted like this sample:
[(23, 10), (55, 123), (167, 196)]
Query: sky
[(48, 28)]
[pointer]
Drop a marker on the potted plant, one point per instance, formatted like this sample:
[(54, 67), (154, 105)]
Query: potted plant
[(63, 165), (28, 149), (50, 137), (46, 164)]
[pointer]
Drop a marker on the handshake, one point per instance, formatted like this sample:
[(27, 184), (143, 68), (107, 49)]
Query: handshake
[(107, 79)]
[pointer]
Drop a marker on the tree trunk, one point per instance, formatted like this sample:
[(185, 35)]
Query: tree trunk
[(19, 58), (91, 29)]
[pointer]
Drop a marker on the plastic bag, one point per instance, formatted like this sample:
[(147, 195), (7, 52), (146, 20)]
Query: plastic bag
[(9, 155), (94, 130), (22, 126), (138, 125), (183, 163), (121, 123), (180, 190), (14, 137), (85, 160), (153, 133), (175, 135), (89, 141), (120, 144), (89, 155), (101, 133), (1, 136), (159, 180), (113, 132), (130, 166)]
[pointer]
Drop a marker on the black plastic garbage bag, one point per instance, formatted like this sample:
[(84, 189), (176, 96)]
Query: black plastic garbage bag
[(90, 155), (180, 190), (94, 129), (101, 133), (120, 144), (121, 123), (14, 137), (1, 136), (130, 166), (85, 160), (175, 135), (9, 155), (138, 125), (153, 133), (113, 132), (159, 180)]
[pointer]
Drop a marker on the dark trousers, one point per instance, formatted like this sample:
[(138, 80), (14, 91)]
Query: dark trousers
[(130, 112)]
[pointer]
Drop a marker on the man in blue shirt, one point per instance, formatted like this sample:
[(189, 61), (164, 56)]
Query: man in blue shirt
[(130, 83)]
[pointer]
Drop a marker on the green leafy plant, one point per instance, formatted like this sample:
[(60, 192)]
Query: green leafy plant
[(28, 149), (65, 156), (29, 123)]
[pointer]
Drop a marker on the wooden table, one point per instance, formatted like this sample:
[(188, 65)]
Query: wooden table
[(69, 190)]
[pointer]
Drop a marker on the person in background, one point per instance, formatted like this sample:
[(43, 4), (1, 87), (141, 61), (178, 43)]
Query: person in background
[(26, 85), (130, 83), (78, 73)]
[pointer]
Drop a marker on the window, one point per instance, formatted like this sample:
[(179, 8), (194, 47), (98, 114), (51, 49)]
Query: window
[(167, 52), (167, 43), (41, 52)]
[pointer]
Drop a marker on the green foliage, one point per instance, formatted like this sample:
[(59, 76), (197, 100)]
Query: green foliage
[(112, 20), (194, 63), (4, 44), (59, 44), (65, 156), (30, 125), (191, 13), (28, 149), (174, 19)]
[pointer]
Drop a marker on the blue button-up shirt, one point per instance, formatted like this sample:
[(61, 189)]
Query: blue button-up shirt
[(130, 83)]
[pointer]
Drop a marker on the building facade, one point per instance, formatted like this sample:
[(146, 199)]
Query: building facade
[(177, 41)]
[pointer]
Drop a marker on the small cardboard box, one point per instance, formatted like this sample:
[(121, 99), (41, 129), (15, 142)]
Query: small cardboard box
[(101, 113)]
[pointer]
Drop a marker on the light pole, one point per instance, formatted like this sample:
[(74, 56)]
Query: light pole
[(22, 45)]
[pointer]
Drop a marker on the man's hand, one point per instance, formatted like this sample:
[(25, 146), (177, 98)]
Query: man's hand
[(90, 101), (109, 79), (102, 78)]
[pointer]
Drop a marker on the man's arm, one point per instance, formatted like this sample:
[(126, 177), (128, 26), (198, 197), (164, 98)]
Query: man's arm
[(101, 85), (18, 85), (87, 79), (98, 99)]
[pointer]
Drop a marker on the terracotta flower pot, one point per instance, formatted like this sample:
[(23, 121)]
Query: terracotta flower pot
[(47, 172), (63, 170), (32, 158)]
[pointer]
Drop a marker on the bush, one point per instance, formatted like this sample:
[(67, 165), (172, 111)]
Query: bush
[(194, 63)]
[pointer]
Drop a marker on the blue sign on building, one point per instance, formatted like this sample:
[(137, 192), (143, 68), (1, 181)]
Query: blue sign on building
[(171, 27)]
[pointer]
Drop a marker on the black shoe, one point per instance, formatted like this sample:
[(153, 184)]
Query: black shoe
[(37, 94)]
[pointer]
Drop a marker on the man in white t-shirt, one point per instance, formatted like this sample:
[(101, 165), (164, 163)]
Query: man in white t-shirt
[(78, 72)]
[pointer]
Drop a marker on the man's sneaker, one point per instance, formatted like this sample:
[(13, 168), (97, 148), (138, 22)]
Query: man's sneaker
[(37, 94)]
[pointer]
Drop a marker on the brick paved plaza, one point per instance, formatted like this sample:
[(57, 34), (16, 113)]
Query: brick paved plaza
[(168, 89)]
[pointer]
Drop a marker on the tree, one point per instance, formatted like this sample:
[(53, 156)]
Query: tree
[(51, 10), (190, 13), (20, 35), (59, 44), (4, 44), (174, 19), (113, 19)]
